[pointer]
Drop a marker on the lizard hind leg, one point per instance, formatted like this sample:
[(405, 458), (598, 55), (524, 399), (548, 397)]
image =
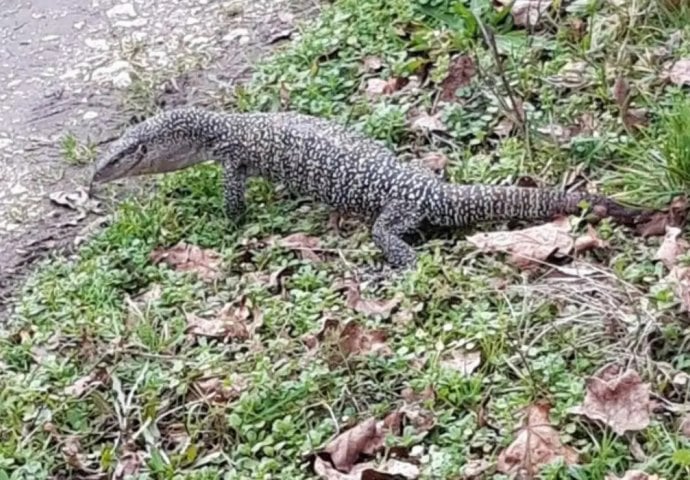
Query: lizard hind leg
[(396, 219)]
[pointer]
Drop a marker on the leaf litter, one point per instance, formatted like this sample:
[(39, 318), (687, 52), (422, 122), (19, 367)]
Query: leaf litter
[(618, 399), (231, 322), (183, 257), (537, 444)]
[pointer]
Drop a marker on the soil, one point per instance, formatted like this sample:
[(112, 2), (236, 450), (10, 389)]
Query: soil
[(75, 67)]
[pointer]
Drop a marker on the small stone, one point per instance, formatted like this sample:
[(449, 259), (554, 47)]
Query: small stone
[(50, 38), (79, 25), (238, 33), (136, 23), (5, 142), (96, 43), (90, 115), (122, 10), (103, 74)]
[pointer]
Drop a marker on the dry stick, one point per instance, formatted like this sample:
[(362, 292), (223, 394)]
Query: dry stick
[(520, 117)]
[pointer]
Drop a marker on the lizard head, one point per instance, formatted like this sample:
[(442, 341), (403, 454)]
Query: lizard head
[(162, 143)]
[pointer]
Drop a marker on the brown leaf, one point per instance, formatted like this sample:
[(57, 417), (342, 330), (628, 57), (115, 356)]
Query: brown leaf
[(382, 308), (230, 323), (460, 73), (428, 123), (671, 247), (377, 87), (463, 362), (304, 244), (97, 377), (620, 401), (620, 92), (128, 464), (190, 258), (673, 216), (434, 161), (634, 475), (589, 241), (537, 444), (346, 448), (218, 391), (530, 245), (72, 453), (635, 118), (679, 73), (355, 340)]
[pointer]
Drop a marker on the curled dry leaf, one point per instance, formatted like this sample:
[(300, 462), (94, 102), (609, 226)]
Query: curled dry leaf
[(428, 123), (205, 263), (230, 323), (97, 377), (306, 245), (377, 87), (674, 216), (460, 73), (671, 247), (356, 340), (476, 469), (128, 464), (589, 241), (382, 308), (530, 245), (537, 444), (679, 73), (78, 200), (220, 391), (345, 449), (621, 92), (635, 118), (634, 475), (71, 450), (527, 13), (463, 362), (619, 400), (390, 469), (684, 426)]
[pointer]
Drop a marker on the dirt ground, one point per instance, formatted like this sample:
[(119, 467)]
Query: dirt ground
[(65, 67)]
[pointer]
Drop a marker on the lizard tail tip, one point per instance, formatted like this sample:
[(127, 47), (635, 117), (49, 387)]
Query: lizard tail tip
[(623, 214)]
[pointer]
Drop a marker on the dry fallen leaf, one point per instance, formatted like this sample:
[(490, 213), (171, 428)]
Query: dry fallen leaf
[(304, 244), (372, 63), (230, 323), (390, 469), (527, 13), (679, 73), (428, 123), (78, 200), (674, 216), (345, 449), (530, 245), (635, 118), (366, 306), (463, 362), (73, 454), (356, 340), (634, 475), (558, 133), (684, 427), (679, 280), (460, 73), (218, 391), (434, 161), (537, 444), (589, 241), (476, 469), (671, 247), (128, 464), (619, 400), (97, 377), (377, 87), (621, 92), (190, 258)]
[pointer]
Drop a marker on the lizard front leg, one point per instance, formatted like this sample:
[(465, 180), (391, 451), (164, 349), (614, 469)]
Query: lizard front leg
[(234, 188), (396, 219)]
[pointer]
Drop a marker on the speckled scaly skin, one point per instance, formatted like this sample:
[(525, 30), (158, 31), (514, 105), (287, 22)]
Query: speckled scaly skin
[(324, 160)]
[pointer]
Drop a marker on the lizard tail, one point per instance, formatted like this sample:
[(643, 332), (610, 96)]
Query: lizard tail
[(469, 204)]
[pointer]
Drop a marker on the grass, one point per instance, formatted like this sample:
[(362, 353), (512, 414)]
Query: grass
[(86, 323)]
